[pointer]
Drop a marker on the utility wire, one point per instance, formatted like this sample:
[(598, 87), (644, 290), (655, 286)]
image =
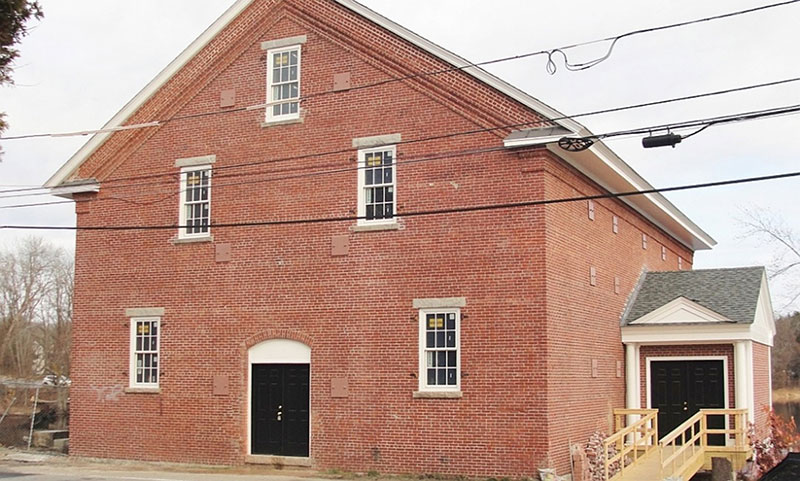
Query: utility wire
[(704, 123), (421, 213), (172, 173), (551, 68)]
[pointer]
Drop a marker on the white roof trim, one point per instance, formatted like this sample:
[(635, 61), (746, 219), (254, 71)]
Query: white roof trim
[(68, 190), (144, 95), (681, 311), (532, 142), (699, 240)]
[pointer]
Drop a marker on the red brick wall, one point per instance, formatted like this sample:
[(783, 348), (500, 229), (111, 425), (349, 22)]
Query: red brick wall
[(761, 384), (583, 320), (696, 350), (532, 323)]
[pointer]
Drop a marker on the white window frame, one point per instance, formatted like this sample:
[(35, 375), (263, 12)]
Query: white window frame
[(271, 102), (182, 217), (423, 367), (362, 198), (133, 353)]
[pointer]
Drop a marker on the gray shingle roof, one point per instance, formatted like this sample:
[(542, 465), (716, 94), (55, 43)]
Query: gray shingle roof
[(733, 293)]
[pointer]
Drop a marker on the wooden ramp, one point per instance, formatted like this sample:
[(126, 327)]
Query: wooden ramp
[(634, 454)]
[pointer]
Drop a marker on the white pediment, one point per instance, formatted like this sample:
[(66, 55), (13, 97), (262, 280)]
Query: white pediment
[(681, 311)]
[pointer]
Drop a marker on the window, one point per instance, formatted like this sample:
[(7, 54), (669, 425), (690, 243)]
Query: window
[(376, 185), (144, 352), (283, 83), (439, 349), (195, 214)]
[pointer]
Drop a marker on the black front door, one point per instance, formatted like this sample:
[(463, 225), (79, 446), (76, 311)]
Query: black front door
[(280, 399), (678, 389)]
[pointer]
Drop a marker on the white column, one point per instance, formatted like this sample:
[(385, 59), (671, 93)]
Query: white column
[(743, 378), (633, 398)]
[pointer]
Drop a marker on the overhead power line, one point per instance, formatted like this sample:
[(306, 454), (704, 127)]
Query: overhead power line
[(421, 213), (35, 191), (551, 68)]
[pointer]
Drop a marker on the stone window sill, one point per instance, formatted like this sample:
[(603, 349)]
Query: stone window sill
[(142, 390), (274, 123), (191, 240), (438, 395), (376, 227)]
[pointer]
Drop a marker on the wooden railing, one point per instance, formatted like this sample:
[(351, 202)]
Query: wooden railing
[(633, 439), (683, 450)]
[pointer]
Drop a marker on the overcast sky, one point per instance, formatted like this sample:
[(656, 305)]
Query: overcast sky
[(87, 58)]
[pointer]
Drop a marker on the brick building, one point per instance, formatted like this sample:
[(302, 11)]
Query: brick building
[(321, 273)]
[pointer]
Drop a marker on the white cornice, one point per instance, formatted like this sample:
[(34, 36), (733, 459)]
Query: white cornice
[(681, 311)]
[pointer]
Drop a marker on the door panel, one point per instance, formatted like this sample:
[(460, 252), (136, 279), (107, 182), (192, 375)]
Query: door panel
[(280, 409), (679, 389)]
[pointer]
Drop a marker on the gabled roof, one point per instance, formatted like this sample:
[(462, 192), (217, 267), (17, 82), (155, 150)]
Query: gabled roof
[(599, 163), (731, 293)]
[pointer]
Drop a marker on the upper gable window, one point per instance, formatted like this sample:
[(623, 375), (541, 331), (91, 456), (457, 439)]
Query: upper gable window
[(283, 83), (195, 213), (376, 185)]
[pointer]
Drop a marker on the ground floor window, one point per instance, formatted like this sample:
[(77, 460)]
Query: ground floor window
[(144, 352), (439, 349)]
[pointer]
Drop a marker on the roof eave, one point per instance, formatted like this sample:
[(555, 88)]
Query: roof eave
[(616, 176)]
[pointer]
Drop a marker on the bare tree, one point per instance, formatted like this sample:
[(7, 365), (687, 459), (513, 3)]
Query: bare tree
[(785, 264), (35, 310)]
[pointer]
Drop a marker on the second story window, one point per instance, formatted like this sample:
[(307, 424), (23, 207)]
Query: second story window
[(376, 185), (195, 213), (283, 83)]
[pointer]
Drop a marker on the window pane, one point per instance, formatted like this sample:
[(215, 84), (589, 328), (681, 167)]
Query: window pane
[(294, 90), (370, 212), (293, 73), (431, 361), (387, 176), (451, 321), (451, 339), (440, 339), (368, 178), (430, 340), (284, 109), (441, 358), (441, 377), (451, 358), (451, 377), (293, 57), (431, 377), (285, 74)]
